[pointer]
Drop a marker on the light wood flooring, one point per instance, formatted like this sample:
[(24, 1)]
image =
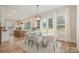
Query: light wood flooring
[(8, 47)]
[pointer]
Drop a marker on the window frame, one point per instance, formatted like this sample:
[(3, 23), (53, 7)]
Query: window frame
[(63, 32)]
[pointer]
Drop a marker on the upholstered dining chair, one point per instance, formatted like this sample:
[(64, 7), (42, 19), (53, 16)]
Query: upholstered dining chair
[(51, 40)]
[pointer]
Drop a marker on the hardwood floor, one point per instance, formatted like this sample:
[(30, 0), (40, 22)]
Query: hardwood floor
[(10, 48), (71, 47)]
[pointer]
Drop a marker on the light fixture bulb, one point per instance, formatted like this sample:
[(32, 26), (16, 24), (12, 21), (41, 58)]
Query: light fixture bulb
[(37, 18)]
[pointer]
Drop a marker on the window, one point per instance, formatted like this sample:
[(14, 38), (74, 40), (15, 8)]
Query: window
[(44, 22), (60, 28), (60, 20), (27, 25), (50, 23), (60, 24)]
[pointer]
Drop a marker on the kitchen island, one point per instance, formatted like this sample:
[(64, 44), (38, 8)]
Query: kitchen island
[(19, 33)]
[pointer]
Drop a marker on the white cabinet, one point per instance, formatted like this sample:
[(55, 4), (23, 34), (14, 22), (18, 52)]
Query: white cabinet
[(5, 36)]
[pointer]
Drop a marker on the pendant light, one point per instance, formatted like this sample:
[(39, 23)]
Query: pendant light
[(37, 16)]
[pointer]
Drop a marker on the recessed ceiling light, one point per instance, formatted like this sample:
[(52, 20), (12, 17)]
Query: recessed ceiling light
[(14, 11), (9, 15)]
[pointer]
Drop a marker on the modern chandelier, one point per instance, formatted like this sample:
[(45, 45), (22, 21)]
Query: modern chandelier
[(37, 17)]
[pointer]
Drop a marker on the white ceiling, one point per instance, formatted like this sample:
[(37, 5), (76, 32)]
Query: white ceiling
[(19, 11)]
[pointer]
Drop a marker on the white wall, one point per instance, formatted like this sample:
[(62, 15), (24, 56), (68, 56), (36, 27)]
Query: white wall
[(70, 14), (78, 27), (72, 17)]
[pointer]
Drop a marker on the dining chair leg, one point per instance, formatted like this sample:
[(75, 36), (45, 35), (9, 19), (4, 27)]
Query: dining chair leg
[(25, 41), (37, 46), (54, 47), (56, 44), (28, 42), (32, 42)]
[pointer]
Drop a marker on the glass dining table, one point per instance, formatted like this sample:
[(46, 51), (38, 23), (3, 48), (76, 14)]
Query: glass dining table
[(40, 41)]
